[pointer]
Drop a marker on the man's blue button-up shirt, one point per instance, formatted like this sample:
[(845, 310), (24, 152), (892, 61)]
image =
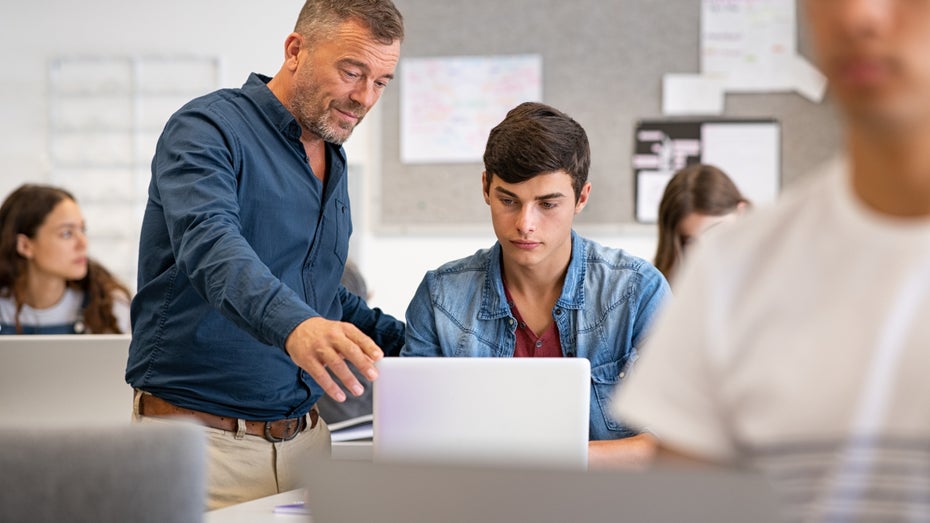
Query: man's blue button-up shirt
[(240, 243)]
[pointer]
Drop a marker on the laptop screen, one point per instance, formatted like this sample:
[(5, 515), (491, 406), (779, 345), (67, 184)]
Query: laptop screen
[(48, 380), (500, 411)]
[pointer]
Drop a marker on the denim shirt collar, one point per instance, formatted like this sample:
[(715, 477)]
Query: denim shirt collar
[(494, 301)]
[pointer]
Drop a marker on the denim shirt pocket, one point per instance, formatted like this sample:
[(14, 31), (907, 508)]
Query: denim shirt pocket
[(343, 218), (605, 378)]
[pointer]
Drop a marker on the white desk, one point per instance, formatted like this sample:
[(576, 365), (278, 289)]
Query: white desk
[(259, 511)]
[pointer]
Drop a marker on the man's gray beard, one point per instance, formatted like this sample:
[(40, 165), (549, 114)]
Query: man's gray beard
[(329, 134)]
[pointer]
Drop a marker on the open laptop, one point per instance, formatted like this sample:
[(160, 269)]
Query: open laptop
[(499, 411), (48, 380)]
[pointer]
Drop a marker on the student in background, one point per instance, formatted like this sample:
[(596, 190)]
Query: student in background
[(48, 285), (798, 339), (697, 198), (542, 290), (240, 321)]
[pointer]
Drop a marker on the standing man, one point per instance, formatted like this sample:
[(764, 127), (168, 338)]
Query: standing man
[(240, 317), (542, 290), (798, 341)]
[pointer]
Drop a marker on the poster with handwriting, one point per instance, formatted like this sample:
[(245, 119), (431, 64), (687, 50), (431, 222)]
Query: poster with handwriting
[(448, 105)]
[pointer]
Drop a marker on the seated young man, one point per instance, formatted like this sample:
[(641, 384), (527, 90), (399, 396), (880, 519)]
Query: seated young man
[(542, 290)]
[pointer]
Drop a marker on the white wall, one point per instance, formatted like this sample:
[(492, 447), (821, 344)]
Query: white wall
[(246, 36)]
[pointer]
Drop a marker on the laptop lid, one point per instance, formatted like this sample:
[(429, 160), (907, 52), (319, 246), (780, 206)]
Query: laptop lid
[(48, 380), (501, 411)]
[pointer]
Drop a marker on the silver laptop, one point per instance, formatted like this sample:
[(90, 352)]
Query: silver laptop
[(498, 411), (49, 380)]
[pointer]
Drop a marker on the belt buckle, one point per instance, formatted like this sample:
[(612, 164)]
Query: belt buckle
[(273, 439)]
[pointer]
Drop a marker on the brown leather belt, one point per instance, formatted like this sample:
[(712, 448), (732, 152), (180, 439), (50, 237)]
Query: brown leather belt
[(273, 431)]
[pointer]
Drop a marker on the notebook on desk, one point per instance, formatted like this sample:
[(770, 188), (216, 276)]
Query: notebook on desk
[(498, 411), (64, 379)]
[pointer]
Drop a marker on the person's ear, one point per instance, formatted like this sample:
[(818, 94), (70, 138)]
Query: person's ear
[(24, 246), (583, 197), (485, 186), (293, 44), (742, 207)]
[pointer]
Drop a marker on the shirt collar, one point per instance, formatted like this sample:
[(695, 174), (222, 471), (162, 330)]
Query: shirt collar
[(256, 88), (494, 299)]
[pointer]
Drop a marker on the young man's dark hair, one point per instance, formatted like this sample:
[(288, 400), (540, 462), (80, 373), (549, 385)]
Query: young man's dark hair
[(534, 139)]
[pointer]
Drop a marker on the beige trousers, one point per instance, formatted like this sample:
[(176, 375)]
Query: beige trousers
[(243, 467)]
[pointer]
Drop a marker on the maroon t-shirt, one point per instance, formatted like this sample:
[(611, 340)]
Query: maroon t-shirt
[(528, 345)]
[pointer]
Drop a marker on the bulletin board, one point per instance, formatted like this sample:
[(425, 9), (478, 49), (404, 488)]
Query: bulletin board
[(602, 62), (748, 151)]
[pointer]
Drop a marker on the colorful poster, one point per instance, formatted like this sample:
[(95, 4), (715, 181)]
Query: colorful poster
[(449, 105)]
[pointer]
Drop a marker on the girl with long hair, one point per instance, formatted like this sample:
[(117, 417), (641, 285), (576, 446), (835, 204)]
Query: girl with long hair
[(697, 198), (48, 284)]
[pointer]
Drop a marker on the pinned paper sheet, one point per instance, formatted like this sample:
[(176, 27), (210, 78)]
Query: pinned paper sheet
[(752, 47), (746, 47), (691, 94), (807, 79)]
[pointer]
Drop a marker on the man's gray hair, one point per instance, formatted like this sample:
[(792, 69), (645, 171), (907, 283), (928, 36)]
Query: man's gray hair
[(318, 18)]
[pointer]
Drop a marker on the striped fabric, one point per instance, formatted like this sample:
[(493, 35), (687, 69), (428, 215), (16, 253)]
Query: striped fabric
[(862, 480)]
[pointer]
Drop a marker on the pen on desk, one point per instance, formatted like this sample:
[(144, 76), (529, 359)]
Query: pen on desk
[(297, 507)]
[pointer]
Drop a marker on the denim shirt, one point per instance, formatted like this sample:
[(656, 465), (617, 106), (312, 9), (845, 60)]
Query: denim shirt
[(608, 301), (240, 243)]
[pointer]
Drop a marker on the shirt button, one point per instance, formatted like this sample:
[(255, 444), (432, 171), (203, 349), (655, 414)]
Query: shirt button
[(538, 343), (622, 374), (558, 312), (510, 321)]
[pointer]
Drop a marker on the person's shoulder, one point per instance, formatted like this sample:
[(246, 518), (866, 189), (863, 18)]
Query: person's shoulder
[(477, 262), (120, 297), (6, 300), (209, 102), (220, 99), (614, 258)]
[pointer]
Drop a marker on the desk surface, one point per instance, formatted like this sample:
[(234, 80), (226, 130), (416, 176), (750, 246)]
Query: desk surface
[(259, 511)]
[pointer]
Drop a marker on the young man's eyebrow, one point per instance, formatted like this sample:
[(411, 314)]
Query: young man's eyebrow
[(550, 196), (505, 192)]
